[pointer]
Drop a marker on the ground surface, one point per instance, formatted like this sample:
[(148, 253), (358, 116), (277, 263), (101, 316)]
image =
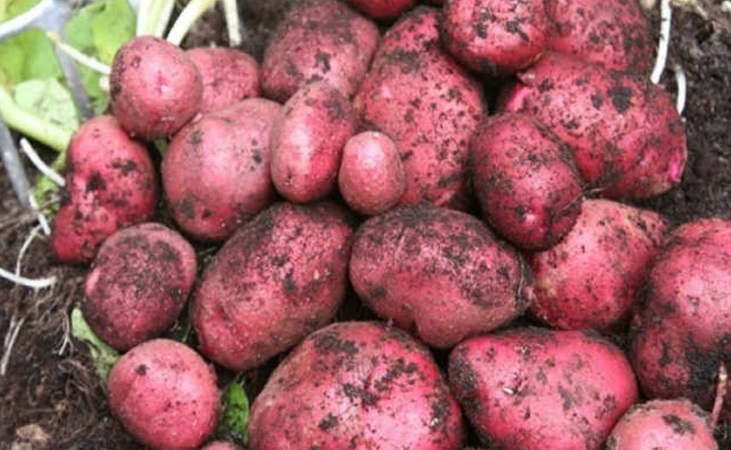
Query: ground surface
[(50, 397)]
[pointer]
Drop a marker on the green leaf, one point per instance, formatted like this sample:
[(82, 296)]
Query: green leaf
[(103, 355), (48, 99), (28, 56), (111, 27), (12, 8), (235, 417)]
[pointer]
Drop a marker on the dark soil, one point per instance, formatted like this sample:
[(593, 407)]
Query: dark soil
[(51, 397)]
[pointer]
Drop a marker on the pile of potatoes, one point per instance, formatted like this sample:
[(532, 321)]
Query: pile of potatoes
[(466, 171)]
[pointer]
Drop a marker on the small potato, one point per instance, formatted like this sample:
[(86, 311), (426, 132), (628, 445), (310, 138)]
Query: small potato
[(371, 177), (138, 285), (382, 9)]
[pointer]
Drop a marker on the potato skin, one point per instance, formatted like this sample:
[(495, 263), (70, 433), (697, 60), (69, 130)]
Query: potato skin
[(216, 173), (593, 277), (321, 40), (663, 424), (438, 272), (428, 104), (138, 285), (533, 388), (228, 76), (360, 385), (165, 395), (277, 279), (525, 180), (154, 88), (627, 137), (495, 37), (382, 9), (307, 142)]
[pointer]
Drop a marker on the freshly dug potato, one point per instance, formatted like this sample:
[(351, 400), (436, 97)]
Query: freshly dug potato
[(371, 176), (663, 424), (280, 277), (356, 385), (228, 76), (428, 104), (495, 37), (138, 285), (439, 273), (681, 333), (164, 395), (382, 9), (216, 173), (154, 88), (615, 33), (525, 180), (593, 277), (531, 388), (321, 40), (307, 142), (627, 137), (111, 183)]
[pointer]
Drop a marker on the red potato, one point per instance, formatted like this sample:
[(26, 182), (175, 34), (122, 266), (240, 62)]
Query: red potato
[(307, 142), (228, 76), (439, 273), (138, 285), (382, 9), (111, 183), (154, 88), (495, 37), (322, 40), (164, 395), (276, 280), (525, 180), (615, 33), (680, 336), (428, 104), (663, 424), (592, 279), (627, 137), (216, 173), (531, 388), (371, 176), (356, 385)]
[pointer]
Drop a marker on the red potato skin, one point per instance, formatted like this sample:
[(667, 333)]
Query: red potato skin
[(614, 33), (216, 173), (138, 285), (154, 88), (359, 385), (428, 104), (111, 183), (277, 279), (680, 335), (228, 76), (165, 395), (371, 177), (439, 273), (532, 388), (593, 277), (307, 142), (322, 40), (495, 37), (382, 9), (525, 180), (663, 424), (627, 137)]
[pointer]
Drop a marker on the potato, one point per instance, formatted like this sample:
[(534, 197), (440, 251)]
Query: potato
[(525, 180), (276, 280), (165, 395), (627, 137), (154, 88), (531, 388), (382, 9), (228, 76), (138, 285), (216, 172), (359, 385), (416, 94), (321, 40), (438, 272)]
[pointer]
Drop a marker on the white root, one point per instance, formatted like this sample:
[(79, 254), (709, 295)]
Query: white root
[(24, 248), (85, 60), (33, 283), (682, 83), (42, 167), (666, 16), (42, 220), (10, 337), (231, 12)]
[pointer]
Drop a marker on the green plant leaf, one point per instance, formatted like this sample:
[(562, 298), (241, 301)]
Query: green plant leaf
[(48, 99), (12, 8), (103, 355), (235, 417), (28, 56), (111, 27)]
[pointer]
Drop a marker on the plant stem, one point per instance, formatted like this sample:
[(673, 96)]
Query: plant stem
[(231, 12), (192, 12)]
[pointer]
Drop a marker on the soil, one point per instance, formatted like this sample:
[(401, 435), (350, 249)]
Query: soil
[(50, 395)]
